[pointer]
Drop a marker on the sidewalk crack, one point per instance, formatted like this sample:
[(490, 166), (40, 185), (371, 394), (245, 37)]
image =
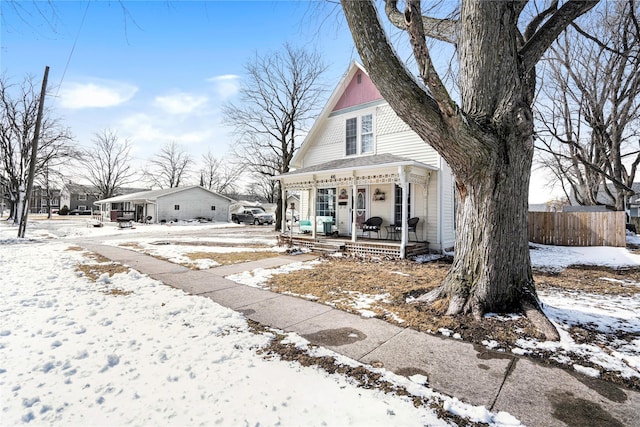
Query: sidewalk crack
[(510, 368)]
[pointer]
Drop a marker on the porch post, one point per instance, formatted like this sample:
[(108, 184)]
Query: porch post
[(314, 202), (283, 225), (405, 207), (354, 193)]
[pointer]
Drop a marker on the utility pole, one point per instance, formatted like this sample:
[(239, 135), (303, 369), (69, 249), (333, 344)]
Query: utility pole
[(34, 154)]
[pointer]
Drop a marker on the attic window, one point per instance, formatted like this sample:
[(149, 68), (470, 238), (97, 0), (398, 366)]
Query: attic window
[(359, 78), (359, 135), (213, 208), (176, 207)]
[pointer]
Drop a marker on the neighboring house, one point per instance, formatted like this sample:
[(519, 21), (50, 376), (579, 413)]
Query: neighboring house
[(361, 160), (551, 206), (604, 199), (81, 197), (170, 204), (40, 202)]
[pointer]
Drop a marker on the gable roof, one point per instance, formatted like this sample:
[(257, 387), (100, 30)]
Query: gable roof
[(359, 90), (339, 98), (153, 195), (76, 188)]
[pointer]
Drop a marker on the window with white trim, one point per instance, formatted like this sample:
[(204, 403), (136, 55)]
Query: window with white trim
[(397, 204), (359, 135), (352, 136), (366, 134), (326, 202)]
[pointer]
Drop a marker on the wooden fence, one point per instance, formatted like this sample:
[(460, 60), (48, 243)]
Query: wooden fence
[(578, 228)]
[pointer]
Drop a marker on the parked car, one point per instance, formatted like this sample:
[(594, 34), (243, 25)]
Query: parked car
[(256, 216)]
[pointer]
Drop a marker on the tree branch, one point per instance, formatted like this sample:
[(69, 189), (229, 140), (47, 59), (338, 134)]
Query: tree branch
[(429, 75), (540, 41), (445, 30)]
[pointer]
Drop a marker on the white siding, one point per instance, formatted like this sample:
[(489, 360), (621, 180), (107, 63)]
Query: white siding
[(432, 214), (329, 145), (194, 203), (395, 137), (448, 206), (392, 136)]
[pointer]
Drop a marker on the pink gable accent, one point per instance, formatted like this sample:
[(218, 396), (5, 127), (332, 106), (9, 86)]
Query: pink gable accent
[(358, 93)]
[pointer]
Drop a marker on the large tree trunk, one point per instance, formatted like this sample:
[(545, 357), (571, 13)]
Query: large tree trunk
[(488, 141), (491, 271)]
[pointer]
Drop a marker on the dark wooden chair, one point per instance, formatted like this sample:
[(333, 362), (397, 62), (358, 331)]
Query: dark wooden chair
[(373, 224), (412, 225)]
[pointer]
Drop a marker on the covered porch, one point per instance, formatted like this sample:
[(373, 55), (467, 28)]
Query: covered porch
[(376, 205)]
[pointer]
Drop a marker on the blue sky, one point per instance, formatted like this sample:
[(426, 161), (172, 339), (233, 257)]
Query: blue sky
[(159, 70)]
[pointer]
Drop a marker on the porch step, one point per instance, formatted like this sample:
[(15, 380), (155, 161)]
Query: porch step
[(328, 247)]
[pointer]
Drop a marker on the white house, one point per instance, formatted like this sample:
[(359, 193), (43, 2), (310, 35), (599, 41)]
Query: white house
[(361, 160), (170, 204)]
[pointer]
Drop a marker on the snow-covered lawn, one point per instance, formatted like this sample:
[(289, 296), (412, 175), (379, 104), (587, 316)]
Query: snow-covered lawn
[(125, 349), (606, 314)]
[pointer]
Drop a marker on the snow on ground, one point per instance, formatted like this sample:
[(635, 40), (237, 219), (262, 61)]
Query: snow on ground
[(606, 314), (557, 258), (128, 350)]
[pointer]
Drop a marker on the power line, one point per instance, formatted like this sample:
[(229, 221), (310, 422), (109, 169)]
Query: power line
[(73, 48)]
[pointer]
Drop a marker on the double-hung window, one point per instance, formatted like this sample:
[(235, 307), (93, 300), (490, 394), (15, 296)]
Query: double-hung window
[(352, 136), (366, 134), (359, 135)]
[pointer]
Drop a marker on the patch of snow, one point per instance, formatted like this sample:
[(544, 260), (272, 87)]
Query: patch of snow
[(591, 372), (557, 258), (421, 259), (503, 318), (446, 332), (490, 344)]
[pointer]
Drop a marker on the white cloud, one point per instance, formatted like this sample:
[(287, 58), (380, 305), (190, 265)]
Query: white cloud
[(144, 129), (181, 103), (100, 94), (226, 85)]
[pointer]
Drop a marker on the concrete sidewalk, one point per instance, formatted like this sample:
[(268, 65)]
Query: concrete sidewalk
[(536, 394)]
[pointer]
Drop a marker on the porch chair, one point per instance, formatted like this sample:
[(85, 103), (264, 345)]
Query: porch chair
[(412, 224), (372, 224)]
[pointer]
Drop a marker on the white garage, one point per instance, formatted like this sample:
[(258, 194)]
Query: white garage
[(166, 205)]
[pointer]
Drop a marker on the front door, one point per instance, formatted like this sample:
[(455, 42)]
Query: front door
[(361, 206)]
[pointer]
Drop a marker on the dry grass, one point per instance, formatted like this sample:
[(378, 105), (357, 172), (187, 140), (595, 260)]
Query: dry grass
[(591, 279), (94, 271), (100, 265), (228, 258), (339, 282), (212, 244), (134, 245)]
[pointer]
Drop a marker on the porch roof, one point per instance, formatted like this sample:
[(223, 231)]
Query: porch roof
[(360, 163)]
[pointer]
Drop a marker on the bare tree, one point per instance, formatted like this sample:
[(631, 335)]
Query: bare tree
[(280, 96), (263, 188), (18, 115), (487, 139), (219, 175), (590, 134), (108, 163), (170, 167)]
